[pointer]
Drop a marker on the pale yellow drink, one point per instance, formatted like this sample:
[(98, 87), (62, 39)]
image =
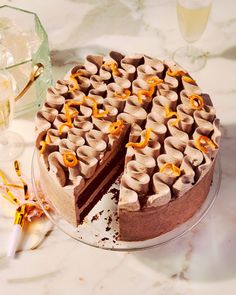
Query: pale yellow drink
[(11, 144), (6, 101), (193, 19)]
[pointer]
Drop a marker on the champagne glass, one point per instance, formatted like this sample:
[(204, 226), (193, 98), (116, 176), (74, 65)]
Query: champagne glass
[(11, 144), (192, 18)]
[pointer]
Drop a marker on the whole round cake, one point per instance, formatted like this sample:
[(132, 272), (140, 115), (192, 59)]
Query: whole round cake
[(134, 116)]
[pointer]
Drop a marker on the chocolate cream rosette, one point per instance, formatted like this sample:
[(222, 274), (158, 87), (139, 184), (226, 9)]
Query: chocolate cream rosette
[(134, 116)]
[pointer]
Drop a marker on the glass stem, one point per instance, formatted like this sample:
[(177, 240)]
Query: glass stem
[(3, 138), (190, 52)]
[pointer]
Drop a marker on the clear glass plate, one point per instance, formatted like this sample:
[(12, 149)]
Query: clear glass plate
[(100, 227)]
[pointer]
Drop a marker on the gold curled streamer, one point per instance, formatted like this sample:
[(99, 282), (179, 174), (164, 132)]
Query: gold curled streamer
[(9, 197), (18, 172)]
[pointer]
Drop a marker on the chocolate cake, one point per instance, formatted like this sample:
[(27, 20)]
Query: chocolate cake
[(132, 115)]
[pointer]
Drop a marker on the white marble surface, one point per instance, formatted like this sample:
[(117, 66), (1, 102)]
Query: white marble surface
[(203, 261)]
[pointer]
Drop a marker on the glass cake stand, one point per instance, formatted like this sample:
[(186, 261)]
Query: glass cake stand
[(100, 227)]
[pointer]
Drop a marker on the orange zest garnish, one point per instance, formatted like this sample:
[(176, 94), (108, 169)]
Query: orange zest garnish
[(68, 124), (125, 95), (170, 114), (116, 127), (153, 81), (172, 167), (96, 112), (196, 101), (175, 73), (70, 159), (143, 143), (113, 66), (188, 80), (142, 92), (69, 114), (75, 82), (43, 144), (202, 142), (69, 104)]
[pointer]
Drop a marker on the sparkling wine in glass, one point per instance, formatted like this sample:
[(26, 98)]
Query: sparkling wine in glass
[(11, 144), (192, 18)]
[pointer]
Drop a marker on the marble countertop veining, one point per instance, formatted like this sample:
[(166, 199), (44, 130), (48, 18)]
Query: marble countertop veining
[(204, 260)]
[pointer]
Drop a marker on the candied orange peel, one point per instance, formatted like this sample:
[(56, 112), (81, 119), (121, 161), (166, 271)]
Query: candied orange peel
[(175, 73), (175, 170), (142, 92), (113, 66), (126, 94), (142, 143), (196, 101), (69, 114), (43, 144), (70, 159), (152, 81), (116, 127), (96, 112), (188, 80), (170, 114), (75, 82), (71, 103), (203, 142), (63, 125)]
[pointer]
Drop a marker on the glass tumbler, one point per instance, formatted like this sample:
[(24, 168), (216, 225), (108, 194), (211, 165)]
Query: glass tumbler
[(24, 43)]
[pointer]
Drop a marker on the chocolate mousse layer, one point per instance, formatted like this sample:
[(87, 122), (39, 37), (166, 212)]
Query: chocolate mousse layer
[(100, 185)]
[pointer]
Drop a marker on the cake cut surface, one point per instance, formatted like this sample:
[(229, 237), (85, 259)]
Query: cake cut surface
[(132, 115)]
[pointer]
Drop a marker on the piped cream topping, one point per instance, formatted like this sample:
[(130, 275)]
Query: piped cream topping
[(88, 112)]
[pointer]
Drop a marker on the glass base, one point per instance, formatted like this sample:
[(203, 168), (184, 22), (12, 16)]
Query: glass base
[(191, 58), (11, 146)]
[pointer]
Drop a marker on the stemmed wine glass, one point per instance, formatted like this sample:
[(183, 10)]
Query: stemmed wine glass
[(192, 18), (11, 144)]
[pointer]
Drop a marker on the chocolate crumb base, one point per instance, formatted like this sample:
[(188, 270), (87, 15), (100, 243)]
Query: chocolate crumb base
[(105, 239), (115, 193), (95, 217)]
